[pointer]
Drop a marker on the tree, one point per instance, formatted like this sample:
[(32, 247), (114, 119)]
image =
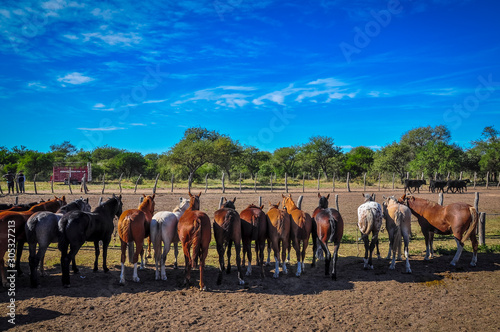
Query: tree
[(284, 159), (225, 153), (437, 157), (251, 159), (34, 162), (318, 152), (488, 150), (359, 160), (104, 153), (393, 158), (129, 163)]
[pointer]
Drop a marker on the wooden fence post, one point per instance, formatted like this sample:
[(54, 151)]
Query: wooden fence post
[(136, 183), (84, 185), (441, 198), (475, 175), (206, 182), (333, 182), (271, 183), (435, 176), (240, 182), (303, 182), (51, 184), (393, 181), (69, 184), (319, 177), (34, 184), (221, 201), (189, 181), (260, 201), (172, 182), (482, 228), (255, 183), (448, 177), (461, 172), (156, 183), (120, 182), (379, 181), (1, 191), (299, 202), (223, 185), (487, 179), (103, 183), (286, 183), (16, 203), (100, 201), (348, 186), (407, 175), (337, 202), (364, 181)]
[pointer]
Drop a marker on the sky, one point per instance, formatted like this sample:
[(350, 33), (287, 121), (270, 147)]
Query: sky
[(136, 74)]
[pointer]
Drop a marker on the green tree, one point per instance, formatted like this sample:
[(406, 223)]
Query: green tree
[(437, 157), (284, 160), (104, 153), (393, 158), (251, 159), (359, 160), (34, 162), (129, 163), (318, 153)]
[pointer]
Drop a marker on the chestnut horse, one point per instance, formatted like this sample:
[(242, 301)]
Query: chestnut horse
[(194, 231), (456, 219), (12, 224), (369, 221), (329, 227), (164, 229), (301, 227), (279, 235), (227, 229), (398, 224), (254, 228), (133, 227)]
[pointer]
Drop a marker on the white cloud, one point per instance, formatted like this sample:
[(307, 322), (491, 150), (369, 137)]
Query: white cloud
[(374, 93), (71, 37), (138, 124), (36, 85), (99, 105), (329, 82), (155, 101), (239, 88), (102, 128), (111, 38), (75, 78)]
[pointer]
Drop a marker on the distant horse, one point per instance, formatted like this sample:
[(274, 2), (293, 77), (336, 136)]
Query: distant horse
[(253, 228), (227, 229), (301, 227), (19, 207), (194, 231), (133, 227), (398, 224), (76, 227), (279, 235), (329, 227), (456, 219), (41, 228), (164, 229), (12, 231), (369, 221)]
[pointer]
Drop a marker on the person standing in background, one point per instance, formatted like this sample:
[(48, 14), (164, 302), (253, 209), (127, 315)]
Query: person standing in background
[(10, 181), (21, 179)]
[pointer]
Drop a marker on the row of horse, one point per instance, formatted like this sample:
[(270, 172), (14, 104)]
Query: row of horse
[(73, 224), (455, 186)]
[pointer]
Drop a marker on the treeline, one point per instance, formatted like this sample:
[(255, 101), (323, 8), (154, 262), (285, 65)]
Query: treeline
[(202, 152)]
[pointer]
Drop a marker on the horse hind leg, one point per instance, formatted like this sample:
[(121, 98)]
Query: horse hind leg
[(105, 245), (97, 252), (334, 258), (237, 248), (139, 249), (33, 263), (366, 242), (460, 248), (406, 239), (176, 253), (228, 252), (123, 248), (220, 251)]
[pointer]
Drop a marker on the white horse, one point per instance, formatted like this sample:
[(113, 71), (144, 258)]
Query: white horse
[(398, 224), (164, 229), (369, 221)]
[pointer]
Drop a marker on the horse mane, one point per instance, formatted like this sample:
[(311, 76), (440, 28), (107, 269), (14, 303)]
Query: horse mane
[(253, 206)]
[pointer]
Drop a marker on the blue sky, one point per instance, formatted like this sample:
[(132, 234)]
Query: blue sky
[(136, 74)]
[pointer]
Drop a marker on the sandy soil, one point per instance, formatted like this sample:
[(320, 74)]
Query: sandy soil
[(435, 296)]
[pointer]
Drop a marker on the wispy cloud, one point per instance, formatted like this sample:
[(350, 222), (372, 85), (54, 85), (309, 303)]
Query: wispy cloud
[(155, 101), (102, 129), (75, 78), (36, 85)]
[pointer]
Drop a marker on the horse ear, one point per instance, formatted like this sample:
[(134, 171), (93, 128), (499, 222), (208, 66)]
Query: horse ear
[(383, 196), (199, 194), (234, 200), (319, 195), (143, 195), (282, 195), (279, 204), (180, 199), (154, 196), (63, 198), (328, 196), (261, 207)]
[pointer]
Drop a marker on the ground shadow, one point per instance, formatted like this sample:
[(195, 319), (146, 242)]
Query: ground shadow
[(34, 315)]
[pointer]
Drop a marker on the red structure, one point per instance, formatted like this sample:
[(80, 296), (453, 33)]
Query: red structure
[(75, 173)]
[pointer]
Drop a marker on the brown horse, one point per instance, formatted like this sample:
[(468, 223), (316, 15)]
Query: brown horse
[(456, 219), (194, 231), (133, 226), (329, 227), (301, 227), (254, 228), (227, 229), (278, 231), (12, 231)]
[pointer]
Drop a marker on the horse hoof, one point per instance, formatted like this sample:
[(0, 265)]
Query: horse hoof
[(297, 275), (106, 270), (219, 281), (241, 282), (408, 271), (392, 267), (203, 289), (137, 279), (164, 278), (473, 264), (276, 275), (67, 286)]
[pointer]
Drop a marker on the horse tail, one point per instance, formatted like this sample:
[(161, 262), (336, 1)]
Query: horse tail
[(155, 232), (333, 225), (226, 224), (473, 224), (63, 241), (369, 220), (196, 241), (281, 222), (399, 219), (30, 228)]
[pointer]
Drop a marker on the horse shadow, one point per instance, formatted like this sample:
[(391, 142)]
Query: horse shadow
[(34, 315)]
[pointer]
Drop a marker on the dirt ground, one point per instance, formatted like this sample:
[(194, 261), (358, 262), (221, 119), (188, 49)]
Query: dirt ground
[(436, 296)]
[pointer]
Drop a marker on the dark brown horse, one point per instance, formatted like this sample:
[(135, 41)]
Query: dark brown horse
[(12, 231), (254, 228), (329, 227), (301, 228), (459, 219), (133, 227), (194, 231), (227, 229), (279, 235)]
